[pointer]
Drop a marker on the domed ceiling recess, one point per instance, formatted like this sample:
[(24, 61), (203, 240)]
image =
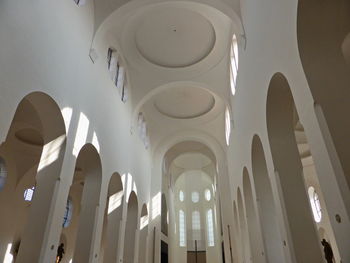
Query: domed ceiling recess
[(192, 161), (174, 37), (184, 102)]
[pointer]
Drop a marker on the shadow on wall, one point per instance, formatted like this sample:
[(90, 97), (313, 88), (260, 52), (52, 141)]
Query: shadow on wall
[(34, 150), (324, 46)]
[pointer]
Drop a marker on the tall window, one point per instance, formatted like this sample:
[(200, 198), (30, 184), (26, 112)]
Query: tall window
[(68, 213), (143, 132), (195, 197), (196, 225), (182, 228), (210, 228), (315, 204), (117, 73), (181, 196), (234, 64), (227, 126), (3, 173), (207, 195)]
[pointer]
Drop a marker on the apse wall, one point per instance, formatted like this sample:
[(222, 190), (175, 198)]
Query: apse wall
[(45, 47)]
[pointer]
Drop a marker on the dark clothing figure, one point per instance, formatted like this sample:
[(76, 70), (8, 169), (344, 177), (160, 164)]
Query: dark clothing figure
[(60, 252), (328, 252)]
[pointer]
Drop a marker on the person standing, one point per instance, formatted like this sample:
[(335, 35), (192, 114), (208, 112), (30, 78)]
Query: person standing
[(60, 252), (328, 252)]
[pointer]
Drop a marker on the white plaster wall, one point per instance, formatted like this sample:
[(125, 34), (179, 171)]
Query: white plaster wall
[(45, 47)]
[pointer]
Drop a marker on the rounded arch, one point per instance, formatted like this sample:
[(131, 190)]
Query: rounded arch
[(281, 119), (256, 244), (266, 203), (88, 173), (113, 218), (143, 245), (35, 143), (130, 228), (327, 66)]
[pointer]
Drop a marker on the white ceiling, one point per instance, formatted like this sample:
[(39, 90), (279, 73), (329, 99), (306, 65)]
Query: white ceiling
[(192, 161), (174, 37), (184, 102)]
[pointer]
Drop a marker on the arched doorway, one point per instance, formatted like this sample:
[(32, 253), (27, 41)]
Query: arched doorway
[(113, 219), (256, 243), (285, 153), (130, 229), (33, 153), (266, 204), (143, 234)]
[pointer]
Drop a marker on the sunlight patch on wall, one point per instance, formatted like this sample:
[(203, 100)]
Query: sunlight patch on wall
[(156, 205), (143, 222), (129, 186), (115, 201), (8, 256), (51, 152), (123, 178), (81, 135), (95, 142), (67, 117)]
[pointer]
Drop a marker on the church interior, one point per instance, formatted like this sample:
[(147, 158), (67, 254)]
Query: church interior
[(181, 131)]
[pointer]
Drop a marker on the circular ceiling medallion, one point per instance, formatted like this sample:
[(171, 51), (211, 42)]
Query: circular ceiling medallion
[(184, 102), (30, 136), (174, 37)]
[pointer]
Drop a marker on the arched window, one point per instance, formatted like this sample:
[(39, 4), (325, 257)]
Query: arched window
[(3, 173), (28, 194), (210, 228), (182, 229), (181, 196), (207, 195), (233, 64), (68, 213), (196, 220), (196, 225), (227, 126), (315, 204), (195, 197)]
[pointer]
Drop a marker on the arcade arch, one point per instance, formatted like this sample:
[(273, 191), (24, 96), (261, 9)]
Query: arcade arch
[(130, 228), (33, 150)]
